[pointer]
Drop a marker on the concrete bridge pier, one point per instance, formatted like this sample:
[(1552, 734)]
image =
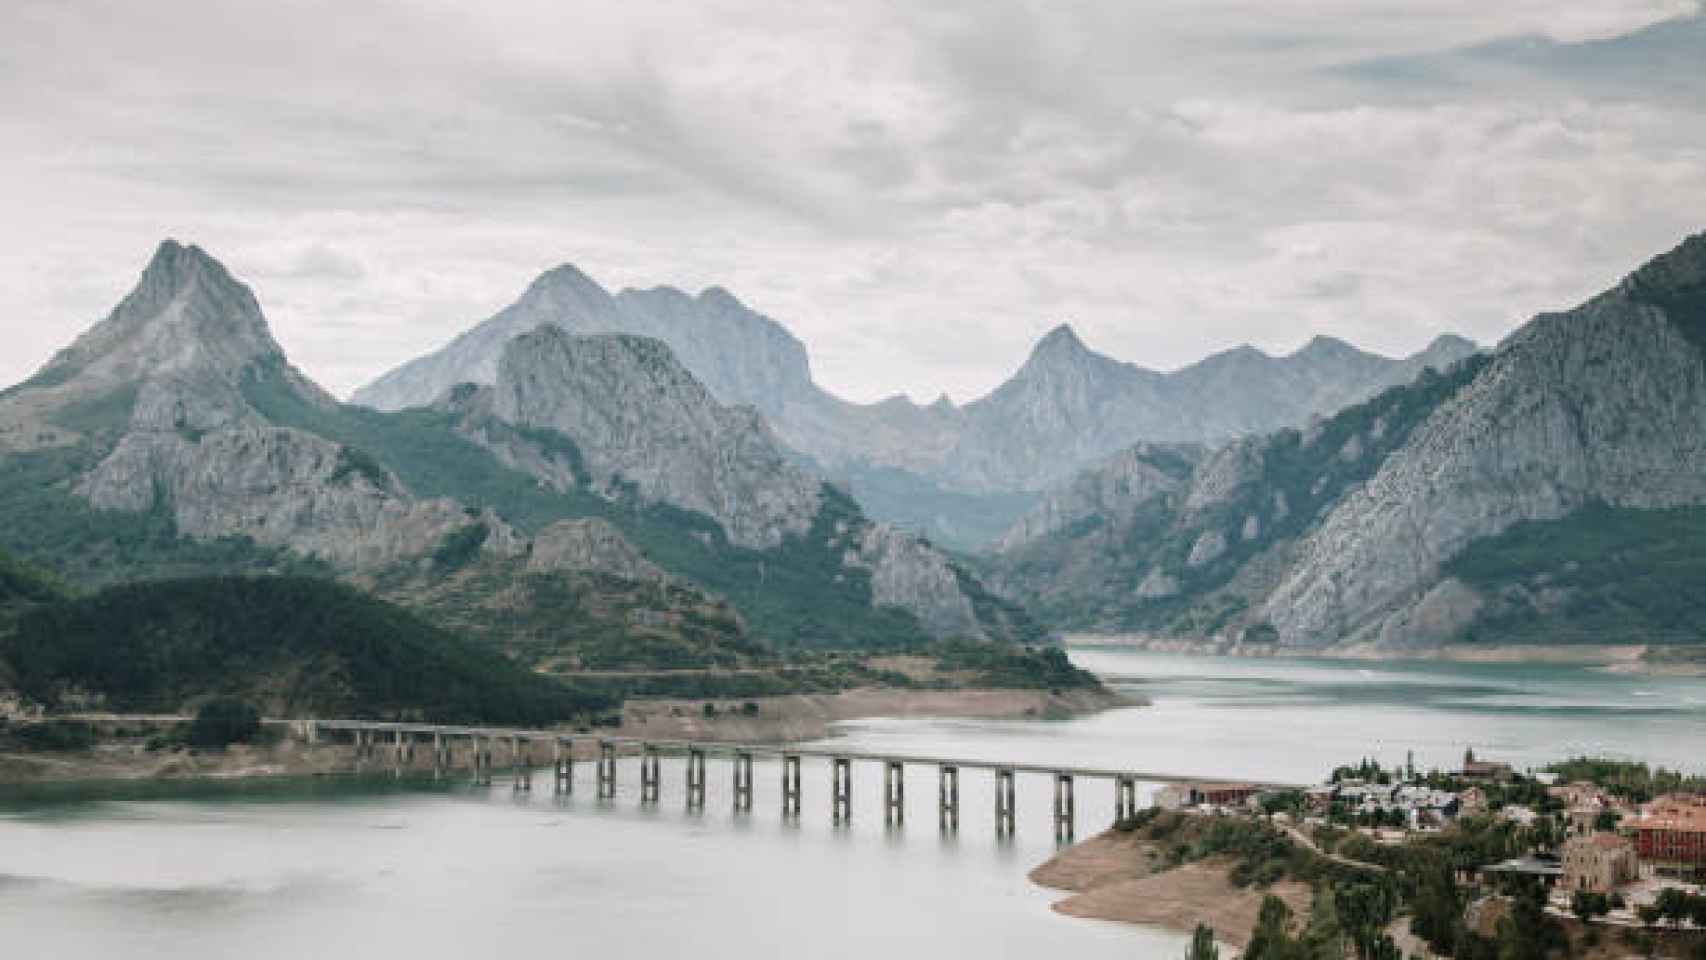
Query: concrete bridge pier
[(606, 770), (948, 799), (396, 753), (841, 793), (562, 767), (440, 755), (894, 792), (521, 764), (1125, 799), (409, 751), (1064, 808), (695, 779), (482, 760), (743, 781), (1004, 802), (790, 785), (651, 774)]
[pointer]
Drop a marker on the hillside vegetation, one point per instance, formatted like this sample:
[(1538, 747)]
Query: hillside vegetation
[(1600, 575), (798, 595), (296, 645)]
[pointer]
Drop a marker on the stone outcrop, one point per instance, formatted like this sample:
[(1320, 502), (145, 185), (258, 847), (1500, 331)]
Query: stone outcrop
[(1108, 494), (906, 573), (647, 427), (589, 546)]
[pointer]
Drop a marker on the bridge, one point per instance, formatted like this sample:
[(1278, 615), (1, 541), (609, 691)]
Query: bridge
[(377, 741)]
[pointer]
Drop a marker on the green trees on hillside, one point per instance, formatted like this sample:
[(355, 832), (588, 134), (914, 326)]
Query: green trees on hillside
[(295, 644)]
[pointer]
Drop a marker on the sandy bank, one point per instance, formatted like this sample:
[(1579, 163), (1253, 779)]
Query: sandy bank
[(122, 761), (1112, 876), (1618, 658), (812, 716)]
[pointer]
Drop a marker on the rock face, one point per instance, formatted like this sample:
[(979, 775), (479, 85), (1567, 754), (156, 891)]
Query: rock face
[(589, 546), (742, 357), (180, 348), (1603, 404), (645, 425), (181, 406), (1346, 533), (1109, 494), (907, 574), (952, 471)]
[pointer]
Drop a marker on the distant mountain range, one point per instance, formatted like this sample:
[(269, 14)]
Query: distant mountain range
[(961, 475), (1551, 491), (593, 484)]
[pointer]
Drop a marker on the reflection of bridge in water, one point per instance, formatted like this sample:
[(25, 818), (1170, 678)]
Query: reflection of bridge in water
[(379, 743)]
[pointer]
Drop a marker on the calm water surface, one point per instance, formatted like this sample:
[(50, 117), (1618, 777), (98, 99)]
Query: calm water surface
[(349, 872)]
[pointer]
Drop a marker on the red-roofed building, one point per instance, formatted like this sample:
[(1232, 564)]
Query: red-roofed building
[(1670, 836)]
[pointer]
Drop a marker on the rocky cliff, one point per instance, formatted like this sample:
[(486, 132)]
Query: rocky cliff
[(1390, 523), (646, 427)]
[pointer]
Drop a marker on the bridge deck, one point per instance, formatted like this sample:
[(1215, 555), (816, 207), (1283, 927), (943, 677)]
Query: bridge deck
[(797, 750)]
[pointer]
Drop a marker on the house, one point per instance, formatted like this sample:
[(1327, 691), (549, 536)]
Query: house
[(1670, 837), (1178, 796), (1485, 770), (1581, 793), (1598, 862), (1472, 801), (1320, 799)]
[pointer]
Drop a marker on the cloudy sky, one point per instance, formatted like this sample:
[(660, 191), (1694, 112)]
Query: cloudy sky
[(917, 190)]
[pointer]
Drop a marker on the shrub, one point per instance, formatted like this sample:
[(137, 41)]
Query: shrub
[(65, 735), (223, 721)]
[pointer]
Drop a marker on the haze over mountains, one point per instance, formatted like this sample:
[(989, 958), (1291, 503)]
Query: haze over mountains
[(961, 474), (1551, 491)]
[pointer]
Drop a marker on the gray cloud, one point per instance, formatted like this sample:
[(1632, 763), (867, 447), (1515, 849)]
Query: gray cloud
[(918, 190)]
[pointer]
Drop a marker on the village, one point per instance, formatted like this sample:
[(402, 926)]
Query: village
[(1602, 849)]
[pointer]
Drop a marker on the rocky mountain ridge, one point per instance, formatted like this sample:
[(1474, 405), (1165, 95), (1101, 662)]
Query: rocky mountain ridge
[(591, 455), (1390, 524), (959, 473)]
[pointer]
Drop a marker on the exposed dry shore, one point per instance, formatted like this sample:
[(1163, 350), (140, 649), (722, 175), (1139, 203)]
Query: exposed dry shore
[(1114, 876), (1632, 658), (777, 720), (813, 716), (126, 761)]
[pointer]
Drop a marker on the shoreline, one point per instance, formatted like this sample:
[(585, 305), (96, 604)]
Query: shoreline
[(1626, 658), (781, 719), (1112, 876)]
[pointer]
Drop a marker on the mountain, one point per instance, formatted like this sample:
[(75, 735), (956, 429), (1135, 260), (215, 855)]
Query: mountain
[(742, 357), (597, 480), (1550, 490), (958, 474)]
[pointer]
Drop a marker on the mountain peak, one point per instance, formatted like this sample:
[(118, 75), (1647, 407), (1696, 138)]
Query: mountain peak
[(185, 313), (1322, 345), (1679, 272), (1675, 282), (1061, 338), (720, 298)]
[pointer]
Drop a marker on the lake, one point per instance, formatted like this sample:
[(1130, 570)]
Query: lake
[(377, 870)]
